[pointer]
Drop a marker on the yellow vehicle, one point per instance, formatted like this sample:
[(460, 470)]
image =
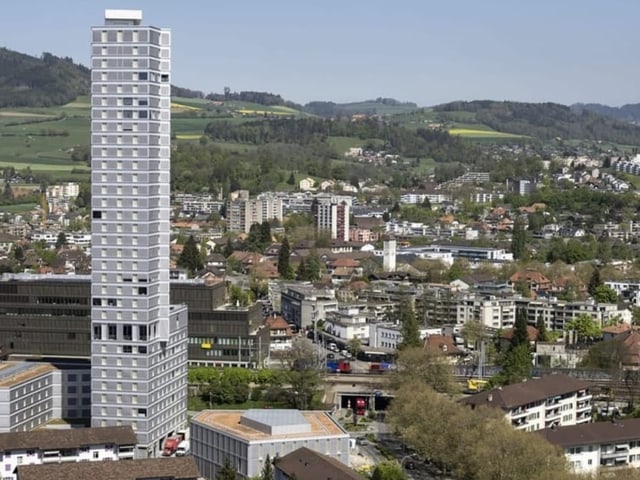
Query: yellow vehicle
[(475, 385)]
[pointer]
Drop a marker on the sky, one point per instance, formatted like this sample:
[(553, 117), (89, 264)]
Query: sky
[(423, 51)]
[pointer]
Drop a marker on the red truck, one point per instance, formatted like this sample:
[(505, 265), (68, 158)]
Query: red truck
[(171, 445), (379, 367), (361, 406), (338, 366)]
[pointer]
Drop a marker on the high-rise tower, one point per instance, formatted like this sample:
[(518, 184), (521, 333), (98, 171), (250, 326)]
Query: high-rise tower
[(139, 341)]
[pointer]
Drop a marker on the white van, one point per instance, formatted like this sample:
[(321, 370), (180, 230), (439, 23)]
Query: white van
[(333, 347), (183, 448)]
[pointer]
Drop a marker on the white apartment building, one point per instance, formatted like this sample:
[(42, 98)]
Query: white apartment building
[(493, 312), (332, 215), (551, 401), (590, 447), (347, 323), (139, 346), (48, 446), (242, 212)]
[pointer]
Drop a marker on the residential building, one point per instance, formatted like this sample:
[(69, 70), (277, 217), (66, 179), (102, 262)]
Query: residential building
[(247, 437), (280, 335), (311, 465), (139, 340), (48, 446), (546, 402), (347, 323), (591, 447), (175, 468), (303, 305), (242, 212), (331, 213)]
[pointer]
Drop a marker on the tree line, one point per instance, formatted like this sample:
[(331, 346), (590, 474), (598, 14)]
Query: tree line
[(424, 143), (546, 121)]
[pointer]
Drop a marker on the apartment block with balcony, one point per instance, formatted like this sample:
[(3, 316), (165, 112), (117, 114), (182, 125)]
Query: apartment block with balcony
[(590, 447), (48, 446), (547, 402)]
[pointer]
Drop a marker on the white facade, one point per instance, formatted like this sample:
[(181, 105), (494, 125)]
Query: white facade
[(139, 347), (332, 215), (71, 445), (389, 255), (594, 447), (244, 212), (347, 323), (550, 401)]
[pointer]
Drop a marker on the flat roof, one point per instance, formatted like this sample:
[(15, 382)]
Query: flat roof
[(112, 14), (13, 373), (321, 424)]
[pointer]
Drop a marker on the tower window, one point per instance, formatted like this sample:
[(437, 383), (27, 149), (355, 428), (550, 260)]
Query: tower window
[(97, 214)]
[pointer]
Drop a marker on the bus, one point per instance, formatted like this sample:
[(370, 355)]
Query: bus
[(373, 356)]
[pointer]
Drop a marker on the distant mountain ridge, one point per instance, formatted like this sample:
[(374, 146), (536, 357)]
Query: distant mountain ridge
[(626, 113)]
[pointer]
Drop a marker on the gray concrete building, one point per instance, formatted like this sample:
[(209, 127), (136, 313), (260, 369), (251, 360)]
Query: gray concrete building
[(247, 437)]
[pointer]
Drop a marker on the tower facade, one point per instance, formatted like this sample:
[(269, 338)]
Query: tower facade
[(139, 340), (389, 254)]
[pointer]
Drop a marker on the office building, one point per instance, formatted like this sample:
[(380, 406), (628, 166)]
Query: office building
[(247, 437), (139, 340)]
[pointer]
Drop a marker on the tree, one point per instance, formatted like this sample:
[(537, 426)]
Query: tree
[(605, 294), (518, 240), (61, 241), (388, 470), (267, 469), (284, 268), (7, 194), (190, 256), (303, 373), (516, 365), (584, 326), (292, 179), (520, 333), (543, 335), (409, 329), (227, 472), (353, 346), (594, 282)]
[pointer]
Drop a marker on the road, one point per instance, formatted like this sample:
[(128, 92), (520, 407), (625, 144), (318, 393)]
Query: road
[(391, 443)]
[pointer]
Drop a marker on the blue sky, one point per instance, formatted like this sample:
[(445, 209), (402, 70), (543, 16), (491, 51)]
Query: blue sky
[(424, 51)]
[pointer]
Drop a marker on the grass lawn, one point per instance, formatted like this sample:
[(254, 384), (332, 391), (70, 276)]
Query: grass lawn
[(18, 208)]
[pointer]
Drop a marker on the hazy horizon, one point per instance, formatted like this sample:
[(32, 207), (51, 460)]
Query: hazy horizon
[(413, 51)]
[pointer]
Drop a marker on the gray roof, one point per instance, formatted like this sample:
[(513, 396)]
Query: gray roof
[(54, 439), (307, 464), (274, 421), (173, 468), (523, 393), (593, 433)]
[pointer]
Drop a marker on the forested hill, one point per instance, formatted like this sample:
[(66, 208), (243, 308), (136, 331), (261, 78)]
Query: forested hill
[(45, 81), (379, 106), (625, 113), (27, 81), (542, 120)]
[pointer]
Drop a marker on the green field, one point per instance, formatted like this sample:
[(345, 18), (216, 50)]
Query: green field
[(43, 138)]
